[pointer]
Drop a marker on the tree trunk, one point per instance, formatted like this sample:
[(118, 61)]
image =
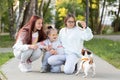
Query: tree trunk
[(116, 27), (44, 11), (91, 16), (41, 8), (96, 19), (99, 30), (30, 10), (11, 19), (0, 25), (21, 16)]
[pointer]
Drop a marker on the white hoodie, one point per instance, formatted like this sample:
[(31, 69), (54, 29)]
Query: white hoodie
[(73, 39)]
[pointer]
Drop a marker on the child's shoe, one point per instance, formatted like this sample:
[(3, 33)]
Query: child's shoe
[(43, 70), (24, 67), (29, 67)]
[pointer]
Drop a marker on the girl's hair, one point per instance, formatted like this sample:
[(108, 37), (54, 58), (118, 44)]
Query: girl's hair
[(26, 31), (50, 29), (67, 17)]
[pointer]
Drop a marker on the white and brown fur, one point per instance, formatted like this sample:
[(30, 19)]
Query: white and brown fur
[(87, 64)]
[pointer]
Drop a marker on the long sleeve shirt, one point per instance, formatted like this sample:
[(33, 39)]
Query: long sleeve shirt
[(19, 43), (56, 45), (73, 39)]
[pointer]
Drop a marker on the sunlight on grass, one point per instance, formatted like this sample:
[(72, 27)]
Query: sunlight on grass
[(106, 49)]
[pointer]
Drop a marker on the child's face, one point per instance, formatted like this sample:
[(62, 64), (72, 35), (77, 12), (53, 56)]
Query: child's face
[(38, 24), (53, 35), (70, 22)]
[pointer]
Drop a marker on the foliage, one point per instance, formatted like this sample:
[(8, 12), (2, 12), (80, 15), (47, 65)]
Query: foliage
[(106, 49), (4, 57), (76, 7), (3, 6), (5, 21), (48, 16), (107, 30), (6, 41)]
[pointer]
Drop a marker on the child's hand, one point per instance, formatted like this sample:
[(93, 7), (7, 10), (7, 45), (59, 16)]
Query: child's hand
[(83, 24), (53, 51), (33, 47), (47, 48)]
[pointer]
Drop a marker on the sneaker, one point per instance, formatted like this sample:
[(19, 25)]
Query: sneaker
[(43, 70), (29, 67), (24, 67)]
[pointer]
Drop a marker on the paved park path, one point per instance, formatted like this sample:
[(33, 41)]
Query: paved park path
[(104, 71)]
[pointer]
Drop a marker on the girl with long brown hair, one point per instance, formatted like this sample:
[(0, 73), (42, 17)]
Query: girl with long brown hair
[(25, 47)]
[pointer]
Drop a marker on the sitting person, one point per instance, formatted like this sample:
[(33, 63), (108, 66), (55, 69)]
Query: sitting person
[(25, 48), (52, 46)]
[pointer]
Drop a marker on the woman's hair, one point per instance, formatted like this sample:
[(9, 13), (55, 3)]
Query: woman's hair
[(27, 29), (67, 17), (50, 29)]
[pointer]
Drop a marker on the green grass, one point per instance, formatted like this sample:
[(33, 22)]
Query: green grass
[(6, 41), (106, 49), (4, 57)]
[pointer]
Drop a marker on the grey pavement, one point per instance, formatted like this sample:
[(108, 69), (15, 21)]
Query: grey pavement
[(4, 50), (104, 71), (111, 37)]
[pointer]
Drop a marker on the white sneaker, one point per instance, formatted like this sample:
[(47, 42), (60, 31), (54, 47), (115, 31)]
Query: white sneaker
[(24, 67), (29, 67)]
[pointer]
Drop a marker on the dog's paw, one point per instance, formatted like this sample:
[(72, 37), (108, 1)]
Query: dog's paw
[(76, 74)]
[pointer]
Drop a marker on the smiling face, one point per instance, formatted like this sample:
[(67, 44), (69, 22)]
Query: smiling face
[(70, 23), (38, 24), (53, 35)]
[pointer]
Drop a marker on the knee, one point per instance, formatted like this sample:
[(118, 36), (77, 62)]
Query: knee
[(68, 70), (17, 54), (50, 61)]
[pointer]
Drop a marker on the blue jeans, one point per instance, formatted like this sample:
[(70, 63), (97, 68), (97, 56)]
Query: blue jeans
[(45, 64), (69, 62)]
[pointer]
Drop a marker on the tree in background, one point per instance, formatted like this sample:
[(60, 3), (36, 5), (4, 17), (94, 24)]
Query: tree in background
[(94, 15), (116, 22), (3, 14), (15, 13), (14, 16)]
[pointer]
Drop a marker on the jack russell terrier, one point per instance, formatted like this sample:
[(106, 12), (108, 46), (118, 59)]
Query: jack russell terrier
[(86, 63)]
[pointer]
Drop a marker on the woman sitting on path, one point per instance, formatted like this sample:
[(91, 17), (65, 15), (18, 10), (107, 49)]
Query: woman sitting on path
[(72, 38), (25, 48)]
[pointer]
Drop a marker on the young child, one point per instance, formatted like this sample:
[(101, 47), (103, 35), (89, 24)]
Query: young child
[(52, 46)]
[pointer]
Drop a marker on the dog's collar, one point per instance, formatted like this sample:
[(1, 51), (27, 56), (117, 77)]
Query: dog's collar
[(84, 59)]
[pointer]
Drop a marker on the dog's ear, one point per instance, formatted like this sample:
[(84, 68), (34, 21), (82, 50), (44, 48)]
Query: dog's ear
[(83, 52), (89, 53)]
